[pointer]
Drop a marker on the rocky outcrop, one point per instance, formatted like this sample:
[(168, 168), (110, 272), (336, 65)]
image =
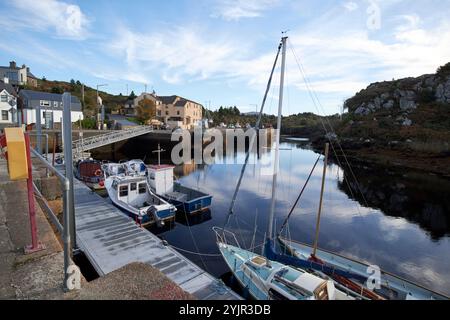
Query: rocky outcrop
[(403, 95)]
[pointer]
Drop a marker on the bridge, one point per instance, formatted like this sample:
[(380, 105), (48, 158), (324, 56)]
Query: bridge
[(82, 145)]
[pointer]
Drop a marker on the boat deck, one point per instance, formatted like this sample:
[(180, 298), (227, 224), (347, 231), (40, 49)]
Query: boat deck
[(110, 240)]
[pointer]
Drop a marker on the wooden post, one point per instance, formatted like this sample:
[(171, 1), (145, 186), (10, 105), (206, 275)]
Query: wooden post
[(316, 240)]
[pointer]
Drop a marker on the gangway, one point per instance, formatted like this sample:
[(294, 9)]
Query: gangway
[(82, 145)]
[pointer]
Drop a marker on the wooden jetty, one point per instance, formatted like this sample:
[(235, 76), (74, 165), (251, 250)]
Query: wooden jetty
[(110, 240)]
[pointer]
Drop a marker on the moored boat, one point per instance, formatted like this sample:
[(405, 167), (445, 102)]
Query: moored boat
[(131, 194), (391, 287), (161, 180), (90, 172), (263, 279)]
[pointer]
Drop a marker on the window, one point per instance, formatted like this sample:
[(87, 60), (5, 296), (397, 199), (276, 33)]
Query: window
[(123, 191), (142, 188), (178, 113), (159, 112), (45, 103), (5, 115), (133, 186), (4, 98), (167, 113), (55, 104)]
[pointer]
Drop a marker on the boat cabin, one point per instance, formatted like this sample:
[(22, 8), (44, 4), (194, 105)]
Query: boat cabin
[(134, 192), (160, 178)]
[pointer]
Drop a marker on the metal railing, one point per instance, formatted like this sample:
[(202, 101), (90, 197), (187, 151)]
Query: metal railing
[(65, 186), (85, 144)]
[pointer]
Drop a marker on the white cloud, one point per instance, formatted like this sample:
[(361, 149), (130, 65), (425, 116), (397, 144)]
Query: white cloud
[(351, 6), (239, 9), (66, 20)]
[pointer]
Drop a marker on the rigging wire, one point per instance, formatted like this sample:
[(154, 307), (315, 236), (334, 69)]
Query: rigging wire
[(299, 196), (316, 102), (257, 126)]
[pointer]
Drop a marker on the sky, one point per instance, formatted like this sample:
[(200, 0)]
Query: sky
[(220, 52)]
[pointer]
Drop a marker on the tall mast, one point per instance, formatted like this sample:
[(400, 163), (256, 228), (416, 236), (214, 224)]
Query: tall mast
[(277, 146), (316, 239)]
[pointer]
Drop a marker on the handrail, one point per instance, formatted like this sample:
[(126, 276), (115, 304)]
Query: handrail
[(61, 177)]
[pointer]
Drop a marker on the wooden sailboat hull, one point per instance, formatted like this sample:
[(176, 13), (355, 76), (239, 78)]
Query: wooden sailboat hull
[(393, 287)]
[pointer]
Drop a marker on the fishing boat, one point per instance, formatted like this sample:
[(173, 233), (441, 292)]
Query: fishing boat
[(160, 179), (260, 276), (90, 172), (132, 195)]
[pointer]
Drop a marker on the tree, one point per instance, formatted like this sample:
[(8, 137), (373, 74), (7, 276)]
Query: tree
[(57, 90), (72, 82), (132, 95), (146, 110), (78, 83)]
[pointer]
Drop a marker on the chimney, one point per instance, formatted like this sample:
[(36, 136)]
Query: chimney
[(6, 80), (12, 64), (24, 66)]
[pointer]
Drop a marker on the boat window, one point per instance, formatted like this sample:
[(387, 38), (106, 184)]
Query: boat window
[(133, 186), (142, 188), (123, 191), (152, 176), (114, 185)]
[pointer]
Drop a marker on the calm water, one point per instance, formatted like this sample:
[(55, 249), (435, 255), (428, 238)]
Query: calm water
[(398, 221)]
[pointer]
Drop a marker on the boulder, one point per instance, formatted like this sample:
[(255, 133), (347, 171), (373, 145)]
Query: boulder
[(388, 105), (407, 104)]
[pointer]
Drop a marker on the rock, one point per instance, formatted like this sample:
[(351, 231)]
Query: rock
[(388, 105), (362, 111), (407, 104), (377, 103), (385, 96), (407, 122)]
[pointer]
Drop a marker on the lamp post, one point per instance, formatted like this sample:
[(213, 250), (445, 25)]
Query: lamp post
[(98, 105)]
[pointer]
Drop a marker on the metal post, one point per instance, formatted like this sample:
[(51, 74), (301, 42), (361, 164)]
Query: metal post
[(68, 159), (316, 240), (277, 147), (35, 244), (39, 130)]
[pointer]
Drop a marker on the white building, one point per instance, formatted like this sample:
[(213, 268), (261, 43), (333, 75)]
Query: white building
[(50, 106), (8, 104)]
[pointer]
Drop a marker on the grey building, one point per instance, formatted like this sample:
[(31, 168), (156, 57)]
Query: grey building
[(50, 106), (16, 75)]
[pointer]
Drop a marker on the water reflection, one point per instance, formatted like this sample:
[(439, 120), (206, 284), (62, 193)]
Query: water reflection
[(419, 198), (403, 228)]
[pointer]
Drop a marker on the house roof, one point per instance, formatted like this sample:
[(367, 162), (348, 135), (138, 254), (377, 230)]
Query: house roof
[(38, 95), (30, 75), (167, 99), (9, 88), (171, 100)]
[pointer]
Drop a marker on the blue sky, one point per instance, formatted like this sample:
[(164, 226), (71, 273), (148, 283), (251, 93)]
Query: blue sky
[(222, 50)]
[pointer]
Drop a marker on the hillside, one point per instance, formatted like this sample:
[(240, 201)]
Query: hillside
[(404, 122), (111, 102)]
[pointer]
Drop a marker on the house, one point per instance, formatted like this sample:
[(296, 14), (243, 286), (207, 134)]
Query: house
[(8, 103), (50, 106), (18, 76), (32, 81), (174, 111)]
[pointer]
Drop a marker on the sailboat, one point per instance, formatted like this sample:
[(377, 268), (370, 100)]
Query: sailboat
[(350, 273), (262, 278)]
